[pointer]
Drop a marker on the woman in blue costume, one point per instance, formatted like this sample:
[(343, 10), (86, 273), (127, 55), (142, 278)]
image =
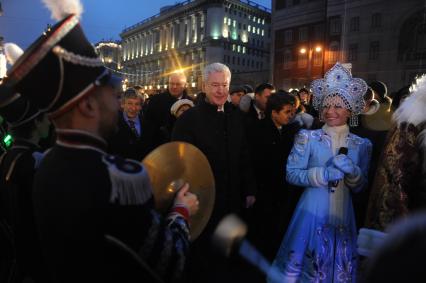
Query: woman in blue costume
[(320, 243)]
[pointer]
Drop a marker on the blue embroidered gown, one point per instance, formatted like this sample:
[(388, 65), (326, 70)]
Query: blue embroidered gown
[(320, 243)]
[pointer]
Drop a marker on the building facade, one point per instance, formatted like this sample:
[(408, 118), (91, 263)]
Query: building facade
[(192, 34), (110, 54), (382, 39)]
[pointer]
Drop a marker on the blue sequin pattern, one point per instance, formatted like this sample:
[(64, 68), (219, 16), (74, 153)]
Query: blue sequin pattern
[(338, 81)]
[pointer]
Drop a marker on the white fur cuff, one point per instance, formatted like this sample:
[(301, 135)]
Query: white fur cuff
[(316, 177), (354, 180)]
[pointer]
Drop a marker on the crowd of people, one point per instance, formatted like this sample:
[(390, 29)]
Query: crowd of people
[(305, 171)]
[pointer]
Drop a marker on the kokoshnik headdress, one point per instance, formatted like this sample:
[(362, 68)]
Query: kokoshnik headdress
[(338, 83)]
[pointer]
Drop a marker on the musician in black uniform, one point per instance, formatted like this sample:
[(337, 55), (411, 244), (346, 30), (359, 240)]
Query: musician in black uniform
[(81, 194), (19, 239)]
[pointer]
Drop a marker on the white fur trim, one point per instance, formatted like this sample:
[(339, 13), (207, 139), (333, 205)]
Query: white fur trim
[(353, 181), (412, 109), (316, 177), (12, 52), (369, 240)]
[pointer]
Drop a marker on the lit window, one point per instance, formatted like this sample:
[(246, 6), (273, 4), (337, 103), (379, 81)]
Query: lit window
[(254, 19), (249, 28), (233, 47), (263, 32), (244, 50), (225, 32), (238, 48), (258, 20), (234, 23), (229, 21), (263, 21), (225, 20), (258, 30)]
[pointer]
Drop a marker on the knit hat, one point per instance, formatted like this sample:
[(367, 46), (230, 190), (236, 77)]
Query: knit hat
[(178, 104)]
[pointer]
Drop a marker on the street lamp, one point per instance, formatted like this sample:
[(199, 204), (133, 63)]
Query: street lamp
[(310, 51)]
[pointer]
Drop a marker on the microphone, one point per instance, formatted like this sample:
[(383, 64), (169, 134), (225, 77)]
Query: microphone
[(333, 184)]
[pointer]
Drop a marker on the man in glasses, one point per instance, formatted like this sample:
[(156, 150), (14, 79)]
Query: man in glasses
[(158, 115), (216, 128)]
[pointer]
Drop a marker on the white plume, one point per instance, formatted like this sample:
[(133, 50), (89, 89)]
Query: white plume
[(12, 52), (412, 109), (3, 69), (62, 8)]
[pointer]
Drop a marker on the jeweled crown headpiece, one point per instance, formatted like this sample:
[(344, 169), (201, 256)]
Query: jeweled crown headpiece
[(338, 82)]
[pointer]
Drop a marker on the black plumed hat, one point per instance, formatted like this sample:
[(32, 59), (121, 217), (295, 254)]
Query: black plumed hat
[(58, 69)]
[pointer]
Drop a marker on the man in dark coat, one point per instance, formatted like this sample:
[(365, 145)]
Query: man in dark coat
[(257, 108), (132, 138), (216, 128), (270, 146), (158, 114), (82, 195)]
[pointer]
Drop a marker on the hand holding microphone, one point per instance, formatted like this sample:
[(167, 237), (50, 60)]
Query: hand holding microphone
[(333, 175), (345, 164), (332, 184)]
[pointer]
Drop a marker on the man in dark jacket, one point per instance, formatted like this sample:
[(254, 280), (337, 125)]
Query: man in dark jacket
[(258, 105), (270, 146), (158, 114), (132, 138), (216, 128)]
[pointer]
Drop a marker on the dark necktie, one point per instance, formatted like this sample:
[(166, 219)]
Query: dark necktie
[(261, 115), (133, 128)]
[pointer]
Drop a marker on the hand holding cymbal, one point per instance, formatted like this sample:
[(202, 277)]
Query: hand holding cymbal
[(187, 199), (169, 167)]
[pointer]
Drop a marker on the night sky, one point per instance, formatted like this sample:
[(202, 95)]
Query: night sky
[(24, 20)]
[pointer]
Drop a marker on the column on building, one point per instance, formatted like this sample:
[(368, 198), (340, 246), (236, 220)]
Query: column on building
[(138, 45), (194, 28), (124, 46), (152, 38), (168, 32), (147, 45), (172, 35), (188, 29), (142, 45), (133, 49), (201, 27), (160, 39)]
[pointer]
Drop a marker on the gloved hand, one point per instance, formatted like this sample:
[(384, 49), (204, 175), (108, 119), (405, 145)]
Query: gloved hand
[(345, 164), (332, 174)]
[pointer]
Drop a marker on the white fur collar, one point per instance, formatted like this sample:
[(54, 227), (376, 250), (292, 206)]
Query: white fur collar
[(413, 108)]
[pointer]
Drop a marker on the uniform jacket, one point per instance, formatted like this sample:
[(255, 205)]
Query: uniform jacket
[(17, 168), (82, 194)]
